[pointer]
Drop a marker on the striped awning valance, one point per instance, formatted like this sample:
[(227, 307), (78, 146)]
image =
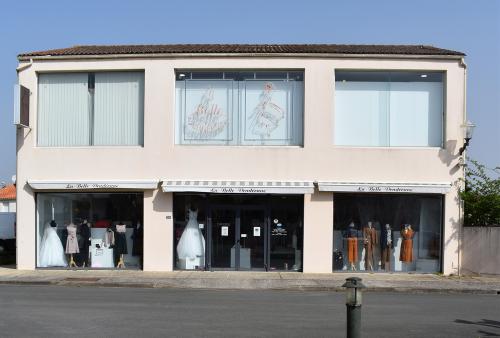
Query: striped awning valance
[(238, 187)]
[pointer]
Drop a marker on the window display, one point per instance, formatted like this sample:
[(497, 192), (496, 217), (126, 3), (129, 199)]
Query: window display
[(240, 232), (81, 230), (239, 108), (381, 232)]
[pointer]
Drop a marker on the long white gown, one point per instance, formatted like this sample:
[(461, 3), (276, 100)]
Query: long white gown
[(192, 243), (51, 249)]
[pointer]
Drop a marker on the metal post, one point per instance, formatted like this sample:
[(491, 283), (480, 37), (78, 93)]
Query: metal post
[(353, 321), (353, 305)]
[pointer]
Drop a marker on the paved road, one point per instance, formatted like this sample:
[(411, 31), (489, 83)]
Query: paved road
[(53, 311)]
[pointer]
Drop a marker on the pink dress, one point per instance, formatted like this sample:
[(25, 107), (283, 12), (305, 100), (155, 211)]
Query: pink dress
[(72, 241)]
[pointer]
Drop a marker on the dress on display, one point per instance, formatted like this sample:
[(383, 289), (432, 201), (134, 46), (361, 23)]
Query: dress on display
[(192, 243), (406, 254), (72, 240), (352, 246), (121, 239), (51, 249), (386, 245), (120, 247), (370, 240)]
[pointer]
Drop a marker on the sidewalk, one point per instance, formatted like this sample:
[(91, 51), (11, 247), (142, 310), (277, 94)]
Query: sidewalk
[(251, 280)]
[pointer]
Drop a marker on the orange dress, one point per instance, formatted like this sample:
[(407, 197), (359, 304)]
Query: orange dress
[(406, 254)]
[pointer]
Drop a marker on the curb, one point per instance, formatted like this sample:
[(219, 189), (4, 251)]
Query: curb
[(178, 285)]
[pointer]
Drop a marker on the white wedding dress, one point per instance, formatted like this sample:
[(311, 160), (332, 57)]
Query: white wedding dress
[(192, 243), (51, 249)]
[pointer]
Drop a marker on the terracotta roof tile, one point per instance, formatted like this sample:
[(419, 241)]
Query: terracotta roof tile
[(8, 192), (245, 49)]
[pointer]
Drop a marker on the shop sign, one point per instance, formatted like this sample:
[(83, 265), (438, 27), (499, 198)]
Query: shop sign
[(89, 185), (430, 188)]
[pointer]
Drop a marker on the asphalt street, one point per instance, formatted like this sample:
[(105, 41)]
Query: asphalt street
[(57, 311)]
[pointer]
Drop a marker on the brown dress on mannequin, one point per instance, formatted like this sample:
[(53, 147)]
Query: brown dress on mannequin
[(406, 254), (370, 240)]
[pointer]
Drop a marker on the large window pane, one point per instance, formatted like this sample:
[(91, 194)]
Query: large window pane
[(205, 111), (388, 109), (63, 110), (94, 230), (375, 232), (118, 108), (82, 109), (239, 110), (361, 113)]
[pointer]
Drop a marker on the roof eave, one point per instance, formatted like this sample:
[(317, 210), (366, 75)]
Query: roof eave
[(24, 58)]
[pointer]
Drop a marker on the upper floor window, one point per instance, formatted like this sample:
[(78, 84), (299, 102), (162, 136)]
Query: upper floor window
[(239, 107), (84, 109), (388, 109)]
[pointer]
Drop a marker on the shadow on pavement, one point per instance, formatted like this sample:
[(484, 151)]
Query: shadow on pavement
[(483, 322)]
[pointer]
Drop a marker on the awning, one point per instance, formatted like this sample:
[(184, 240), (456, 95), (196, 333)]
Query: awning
[(92, 185), (239, 187), (396, 188)]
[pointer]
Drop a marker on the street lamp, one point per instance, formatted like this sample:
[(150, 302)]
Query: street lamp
[(468, 128), (353, 304)]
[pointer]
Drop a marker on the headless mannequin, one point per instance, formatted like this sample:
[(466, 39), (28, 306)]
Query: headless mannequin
[(369, 241), (72, 244), (386, 242), (352, 246)]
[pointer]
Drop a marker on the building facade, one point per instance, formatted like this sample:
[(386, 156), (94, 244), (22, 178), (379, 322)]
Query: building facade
[(313, 158)]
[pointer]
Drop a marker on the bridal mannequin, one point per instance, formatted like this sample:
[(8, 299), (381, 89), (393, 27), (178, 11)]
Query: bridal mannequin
[(191, 245), (51, 249)]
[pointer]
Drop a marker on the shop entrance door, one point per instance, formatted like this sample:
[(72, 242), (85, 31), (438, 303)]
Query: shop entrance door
[(237, 237)]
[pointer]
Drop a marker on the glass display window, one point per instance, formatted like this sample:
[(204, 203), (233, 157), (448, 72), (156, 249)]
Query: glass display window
[(387, 233), (89, 230), (239, 107), (238, 232)]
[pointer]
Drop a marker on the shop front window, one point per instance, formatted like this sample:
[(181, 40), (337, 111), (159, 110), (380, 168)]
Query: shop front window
[(81, 230), (238, 232), (391, 233)]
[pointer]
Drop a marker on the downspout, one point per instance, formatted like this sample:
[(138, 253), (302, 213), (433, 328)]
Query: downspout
[(460, 201)]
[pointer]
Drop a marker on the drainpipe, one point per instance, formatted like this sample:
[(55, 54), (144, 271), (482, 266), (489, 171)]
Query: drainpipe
[(460, 205)]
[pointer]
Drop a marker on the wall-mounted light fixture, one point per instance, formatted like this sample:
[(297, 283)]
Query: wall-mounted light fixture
[(468, 128)]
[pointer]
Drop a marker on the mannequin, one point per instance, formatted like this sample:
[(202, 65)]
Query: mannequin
[(51, 249), (386, 245), (369, 241), (406, 254), (352, 246), (84, 243), (72, 243), (120, 244), (192, 243)]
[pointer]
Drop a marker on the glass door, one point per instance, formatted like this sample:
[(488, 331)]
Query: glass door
[(223, 233), (252, 239)]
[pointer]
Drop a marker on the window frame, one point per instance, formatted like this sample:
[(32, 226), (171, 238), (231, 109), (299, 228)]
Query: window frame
[(239, 77), (388, 72), (142, 94)]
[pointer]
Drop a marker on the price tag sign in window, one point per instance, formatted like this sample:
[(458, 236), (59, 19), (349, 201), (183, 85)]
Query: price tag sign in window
[(224, 231), (256, 231)]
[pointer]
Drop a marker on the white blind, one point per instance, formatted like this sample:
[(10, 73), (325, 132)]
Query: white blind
[(416, 113), (63, 110), (361, 113), (119, 108)]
